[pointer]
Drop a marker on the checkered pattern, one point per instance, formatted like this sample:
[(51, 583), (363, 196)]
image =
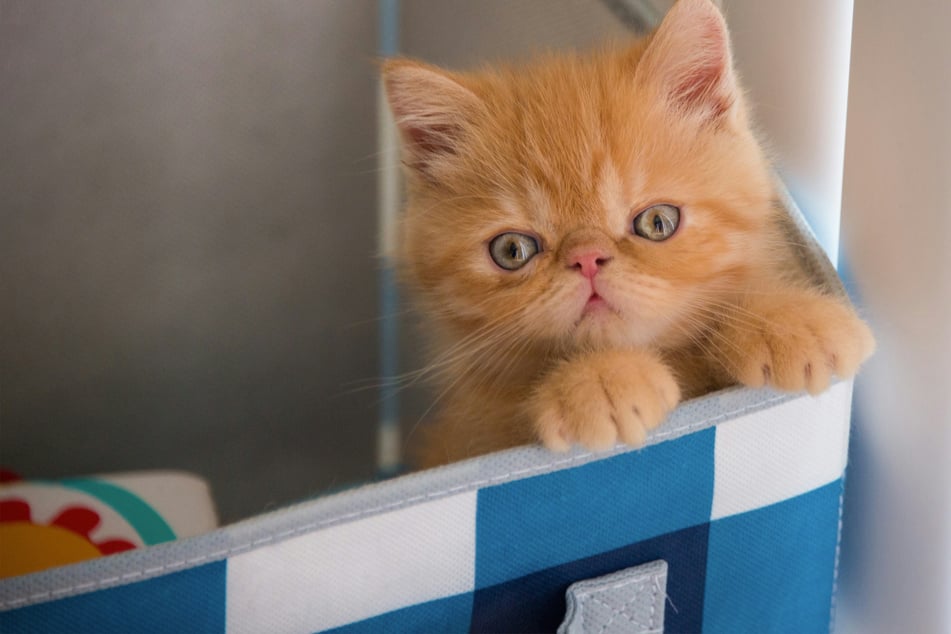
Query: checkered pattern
[(740, 495)]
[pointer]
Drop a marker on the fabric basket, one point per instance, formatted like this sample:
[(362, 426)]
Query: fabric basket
[(727, 521)]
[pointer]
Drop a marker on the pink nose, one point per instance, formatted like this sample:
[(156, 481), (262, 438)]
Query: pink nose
[(588, 261)]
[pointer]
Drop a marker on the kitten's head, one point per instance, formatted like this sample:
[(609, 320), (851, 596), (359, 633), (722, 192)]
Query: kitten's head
[(583, 201)]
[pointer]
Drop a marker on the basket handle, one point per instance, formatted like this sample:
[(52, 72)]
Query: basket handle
[(630, 601)]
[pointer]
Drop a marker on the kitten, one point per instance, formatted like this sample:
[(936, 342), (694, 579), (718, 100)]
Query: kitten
[(595, 238)]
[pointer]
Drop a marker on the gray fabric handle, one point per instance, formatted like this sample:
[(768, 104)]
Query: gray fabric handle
[(627, 602)]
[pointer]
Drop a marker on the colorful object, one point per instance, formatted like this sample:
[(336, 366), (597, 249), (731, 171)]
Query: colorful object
[(44, 524), (26, 546)]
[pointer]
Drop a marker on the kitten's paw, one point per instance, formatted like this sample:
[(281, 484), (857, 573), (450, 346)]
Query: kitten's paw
[(601, 398), (797, 344)]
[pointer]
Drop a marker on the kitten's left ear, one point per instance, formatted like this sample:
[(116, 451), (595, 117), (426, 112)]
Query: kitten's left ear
[(688, 60)]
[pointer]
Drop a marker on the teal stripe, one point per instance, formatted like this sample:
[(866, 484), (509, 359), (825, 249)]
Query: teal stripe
[(147, 523)]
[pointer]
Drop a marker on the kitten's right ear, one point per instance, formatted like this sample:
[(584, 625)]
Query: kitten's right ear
[(432, 111)]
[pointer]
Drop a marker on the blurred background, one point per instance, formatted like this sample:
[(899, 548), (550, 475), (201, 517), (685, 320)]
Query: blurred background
[(188, 240)]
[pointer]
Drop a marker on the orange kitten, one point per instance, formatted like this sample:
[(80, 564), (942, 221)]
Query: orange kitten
[(595, 238)]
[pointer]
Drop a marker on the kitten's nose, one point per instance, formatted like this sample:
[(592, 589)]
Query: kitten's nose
[(588, 260)]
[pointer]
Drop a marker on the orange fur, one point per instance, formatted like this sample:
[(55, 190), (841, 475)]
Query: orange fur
[(568, 149)]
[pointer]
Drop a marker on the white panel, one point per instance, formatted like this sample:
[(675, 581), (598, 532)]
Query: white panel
[(354, 571), (781, 452), (794, 59), (898, 158), (182, 499)]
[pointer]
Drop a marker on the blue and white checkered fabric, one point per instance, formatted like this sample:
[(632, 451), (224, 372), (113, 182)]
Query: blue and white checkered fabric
[(740, 493)]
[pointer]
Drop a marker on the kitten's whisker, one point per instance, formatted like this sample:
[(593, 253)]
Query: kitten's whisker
[(460, 375), (730, 314), (408, 379), (485, 338)]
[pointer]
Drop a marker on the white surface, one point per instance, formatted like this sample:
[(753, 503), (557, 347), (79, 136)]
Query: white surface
[(897, 237), (404, 557), (182, 499), (769, 456), (793, 57)]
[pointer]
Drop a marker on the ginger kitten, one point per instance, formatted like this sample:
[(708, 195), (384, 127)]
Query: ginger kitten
[(594, 238)]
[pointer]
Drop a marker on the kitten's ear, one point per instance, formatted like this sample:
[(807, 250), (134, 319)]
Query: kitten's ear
[(688, 60), (432, 111)]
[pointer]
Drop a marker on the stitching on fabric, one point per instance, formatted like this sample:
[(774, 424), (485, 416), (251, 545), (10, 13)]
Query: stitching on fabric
[(469, 486), (616, 612), (835, 568), (623, 582), (655, 588), (623, 610)]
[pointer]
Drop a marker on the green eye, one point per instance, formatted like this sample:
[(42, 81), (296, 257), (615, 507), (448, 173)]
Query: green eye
[(657, 223), (512, 251)]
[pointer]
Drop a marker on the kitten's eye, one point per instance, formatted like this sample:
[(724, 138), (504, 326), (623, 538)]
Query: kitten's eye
[(512, 251), (657, 223)]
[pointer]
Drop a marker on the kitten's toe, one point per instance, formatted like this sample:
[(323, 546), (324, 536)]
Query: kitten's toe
[(599, 437), (755, 366), (791, 365), (854, 344), (630, 427), (818, 375), (666, 385), (552, 431), (840, 343)]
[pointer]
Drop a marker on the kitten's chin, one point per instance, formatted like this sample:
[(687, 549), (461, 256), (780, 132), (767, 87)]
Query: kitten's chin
[(603, 327)]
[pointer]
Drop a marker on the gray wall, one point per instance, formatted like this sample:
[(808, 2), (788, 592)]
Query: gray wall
[(187, 230), (463, 33)]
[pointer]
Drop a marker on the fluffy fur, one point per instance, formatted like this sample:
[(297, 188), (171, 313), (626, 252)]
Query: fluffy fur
[(569, 149)]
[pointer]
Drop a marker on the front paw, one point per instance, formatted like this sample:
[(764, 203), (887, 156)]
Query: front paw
[(798, 342), (600, 398)]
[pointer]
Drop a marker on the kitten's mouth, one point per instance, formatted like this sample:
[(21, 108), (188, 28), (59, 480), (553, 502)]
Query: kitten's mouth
[(595, 303)]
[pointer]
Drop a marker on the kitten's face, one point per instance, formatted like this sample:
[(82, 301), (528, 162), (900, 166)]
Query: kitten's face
[(582, 202)]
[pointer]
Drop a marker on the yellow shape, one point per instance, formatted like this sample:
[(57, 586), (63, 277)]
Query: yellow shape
[(26, 547)]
